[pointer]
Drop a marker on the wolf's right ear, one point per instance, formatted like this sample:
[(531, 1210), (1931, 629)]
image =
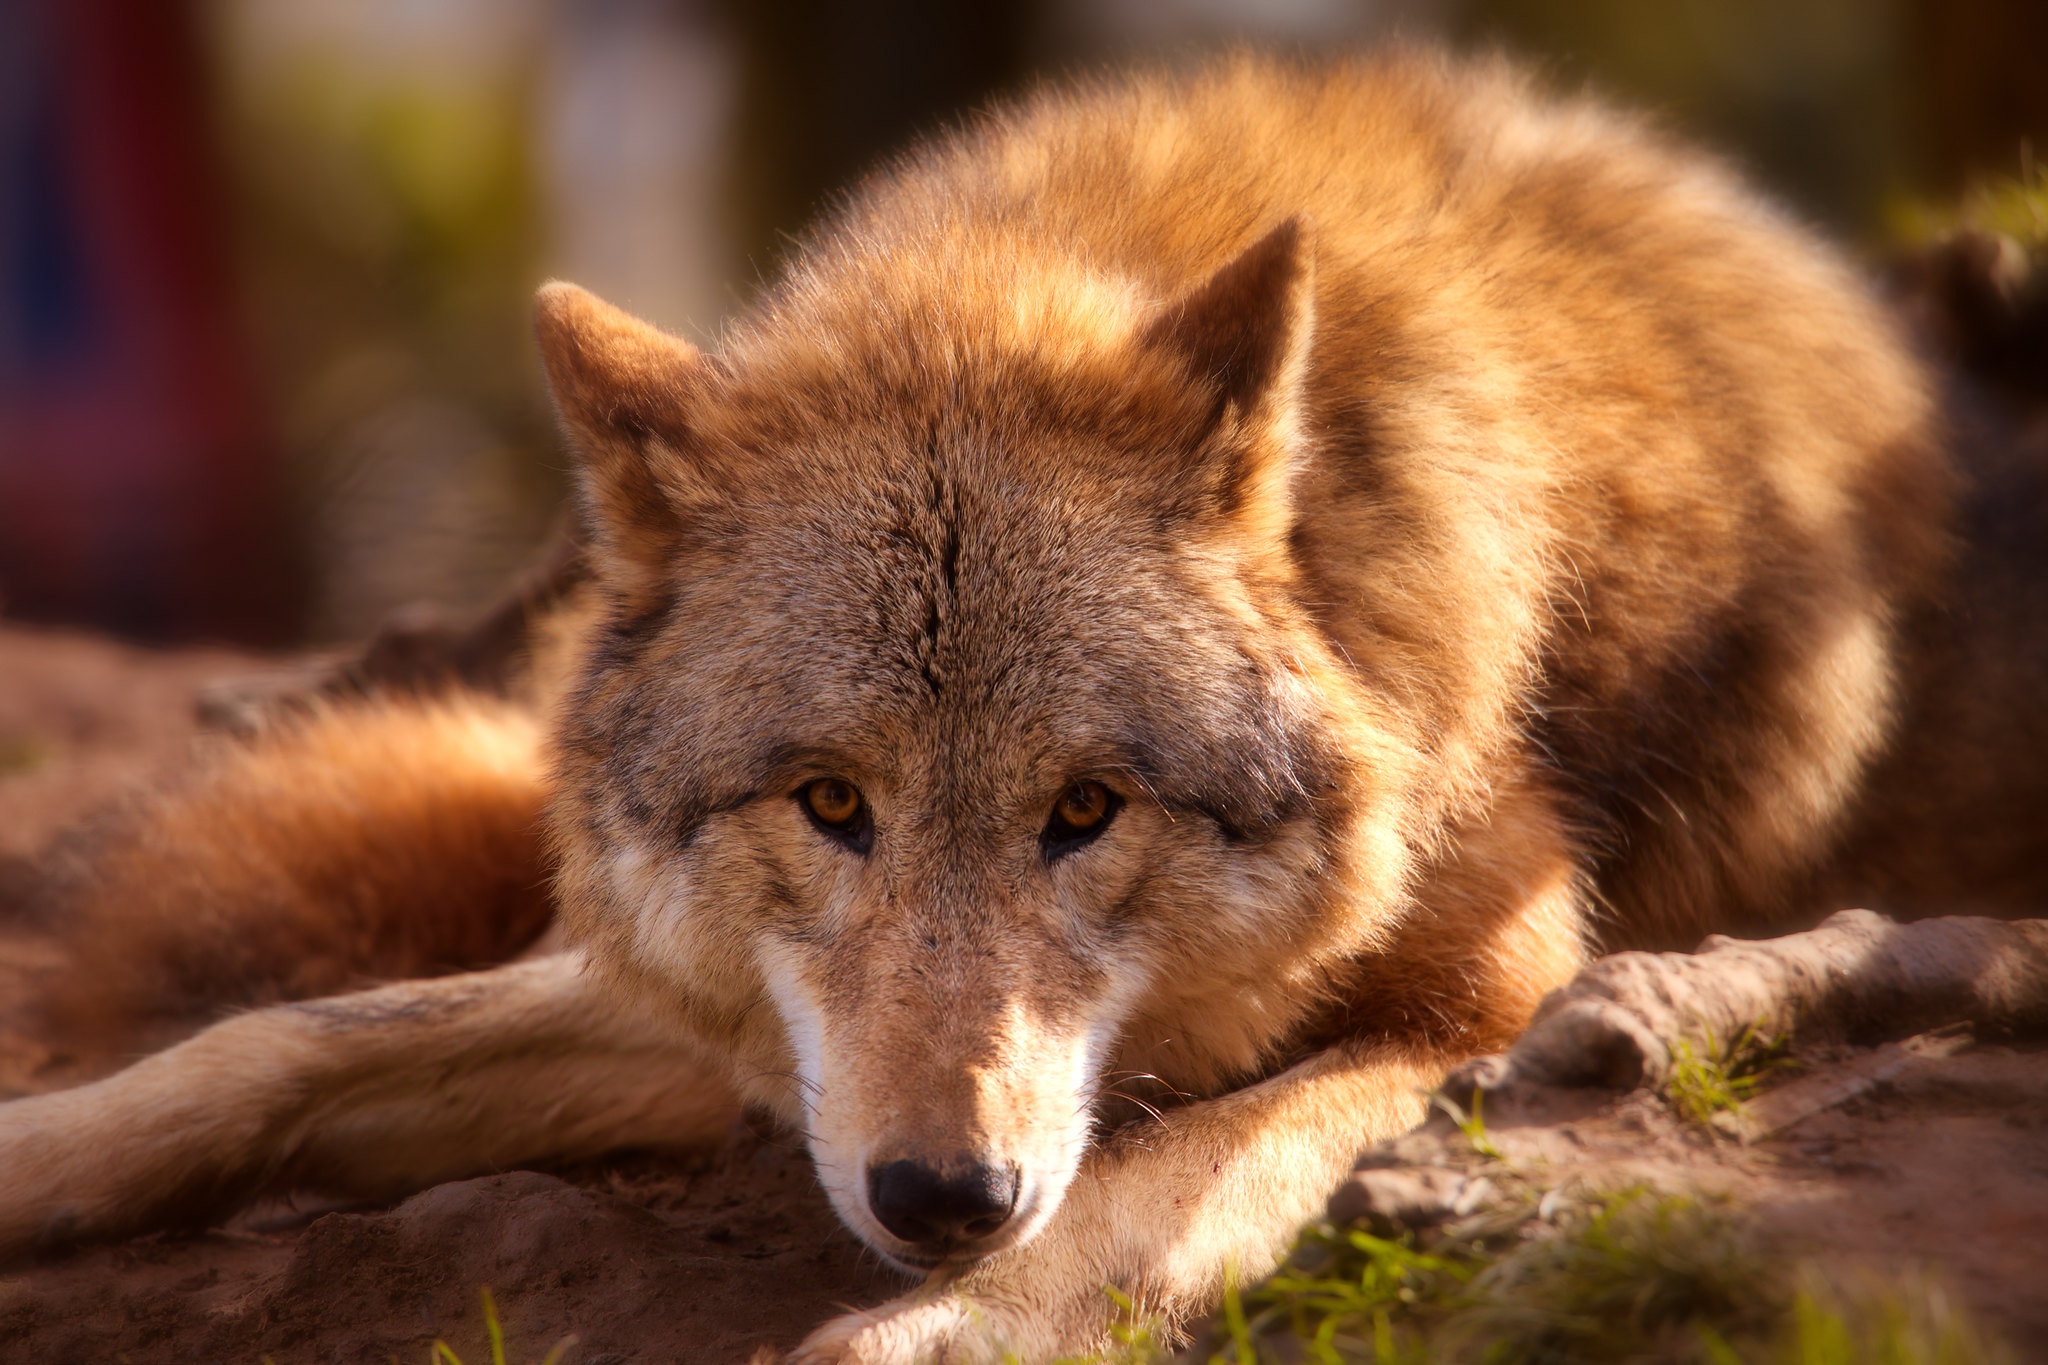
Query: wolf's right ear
[(625, 391), (1243, 337)]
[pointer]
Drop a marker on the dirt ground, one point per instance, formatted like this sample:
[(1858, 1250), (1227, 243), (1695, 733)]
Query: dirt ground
[(1945, 1165), (1941, 1169)]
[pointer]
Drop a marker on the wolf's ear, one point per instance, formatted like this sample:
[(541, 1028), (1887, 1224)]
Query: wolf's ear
[(1243, 336), (625, 391)]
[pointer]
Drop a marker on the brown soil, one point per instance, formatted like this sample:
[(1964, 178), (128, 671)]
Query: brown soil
[(1942, 1168), (643, 1260), (639, 1260)]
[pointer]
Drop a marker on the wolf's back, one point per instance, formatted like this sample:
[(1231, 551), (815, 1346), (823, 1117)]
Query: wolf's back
[(1609, 470)]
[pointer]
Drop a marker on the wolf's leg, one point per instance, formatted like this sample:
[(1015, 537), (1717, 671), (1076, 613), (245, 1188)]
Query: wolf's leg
[(1217, 1188), (365, 1095)]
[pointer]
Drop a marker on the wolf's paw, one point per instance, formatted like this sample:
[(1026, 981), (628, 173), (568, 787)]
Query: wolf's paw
[(945, 1328), (901, 1332)]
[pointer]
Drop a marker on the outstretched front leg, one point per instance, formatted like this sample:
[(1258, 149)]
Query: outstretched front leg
[(1164, 1215), (366, 1095)]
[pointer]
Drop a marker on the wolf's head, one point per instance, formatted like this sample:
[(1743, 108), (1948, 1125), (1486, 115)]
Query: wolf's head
[(956, 734)]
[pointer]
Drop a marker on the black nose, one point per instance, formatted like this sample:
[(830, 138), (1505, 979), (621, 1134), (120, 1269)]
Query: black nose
[(965, 1202)]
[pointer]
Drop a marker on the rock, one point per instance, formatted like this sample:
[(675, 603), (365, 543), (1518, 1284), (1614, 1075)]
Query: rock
[(1859, 977), (1389, 1201)]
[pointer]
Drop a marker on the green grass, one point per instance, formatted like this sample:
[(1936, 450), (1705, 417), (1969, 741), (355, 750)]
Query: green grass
[(1133, 1339), (441, 1353), (1709, 1079), (1613, 1279), (1908, 1321), (1471, 1123), (1626, 1277)]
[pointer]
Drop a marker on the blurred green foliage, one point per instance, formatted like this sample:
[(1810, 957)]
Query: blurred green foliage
[(1813, 96)]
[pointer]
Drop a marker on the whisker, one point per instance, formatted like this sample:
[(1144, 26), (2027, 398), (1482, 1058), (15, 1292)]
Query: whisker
[(798, 1077), (1170, 1089), (1157, 1117), (807, 1091)]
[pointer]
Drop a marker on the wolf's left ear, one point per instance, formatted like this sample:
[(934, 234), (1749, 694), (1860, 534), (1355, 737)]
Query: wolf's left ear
[(1243, 336), (625, 391)]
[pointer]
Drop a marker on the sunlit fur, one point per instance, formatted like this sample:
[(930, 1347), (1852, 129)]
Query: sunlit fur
[(1450, 503), (1461, 529)]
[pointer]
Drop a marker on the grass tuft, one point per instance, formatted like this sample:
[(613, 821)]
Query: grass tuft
[(1709, 1079), (1907, 1321), (1621, 1277), (1634, 1275), (1625, 1277), (442, 1353), (1472, 1123), (1134, 1338)]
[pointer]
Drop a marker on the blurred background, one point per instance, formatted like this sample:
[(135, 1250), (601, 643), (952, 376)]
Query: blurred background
[(265, 369)]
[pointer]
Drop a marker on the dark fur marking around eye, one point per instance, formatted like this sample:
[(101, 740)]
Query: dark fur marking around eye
[(1248, 791), (689, 822), (1232, 831), (628, 634)]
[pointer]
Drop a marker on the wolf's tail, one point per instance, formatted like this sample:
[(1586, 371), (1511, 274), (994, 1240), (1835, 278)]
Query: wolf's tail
[(376, 840)]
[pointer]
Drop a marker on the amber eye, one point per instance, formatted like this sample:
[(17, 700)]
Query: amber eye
[(833, 801), (1083, 805), (837, 809), (1082, 812)]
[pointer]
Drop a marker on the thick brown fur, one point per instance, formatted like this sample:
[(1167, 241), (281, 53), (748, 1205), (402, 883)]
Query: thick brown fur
[(362, 842), (1460, 530)]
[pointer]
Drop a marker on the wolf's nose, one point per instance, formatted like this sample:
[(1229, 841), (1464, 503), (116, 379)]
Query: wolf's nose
[(939, 1209)]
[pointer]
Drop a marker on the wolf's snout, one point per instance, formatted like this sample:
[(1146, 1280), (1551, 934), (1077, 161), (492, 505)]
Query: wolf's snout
[(941, 1210)]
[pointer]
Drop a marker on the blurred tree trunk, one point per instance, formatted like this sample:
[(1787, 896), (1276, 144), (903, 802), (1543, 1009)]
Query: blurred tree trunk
[(1982, 69)]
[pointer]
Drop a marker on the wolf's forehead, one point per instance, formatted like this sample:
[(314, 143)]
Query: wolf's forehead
[(928, 593), (972, 581), (990, 639), (1020, 619)]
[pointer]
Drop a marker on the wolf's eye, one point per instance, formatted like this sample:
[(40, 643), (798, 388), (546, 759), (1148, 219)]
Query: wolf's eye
[(836, 808), (1083, 811)]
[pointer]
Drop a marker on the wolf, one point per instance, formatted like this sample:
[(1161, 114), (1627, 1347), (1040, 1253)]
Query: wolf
[(1193, 603)]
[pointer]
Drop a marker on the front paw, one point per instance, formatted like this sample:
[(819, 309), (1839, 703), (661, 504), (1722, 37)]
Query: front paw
[(914, 1330), (951, 1326)]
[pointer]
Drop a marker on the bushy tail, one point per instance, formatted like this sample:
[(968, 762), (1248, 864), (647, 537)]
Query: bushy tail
[(377, 840)]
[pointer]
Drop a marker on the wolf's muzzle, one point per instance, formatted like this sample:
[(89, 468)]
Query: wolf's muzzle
[(942, 1210)]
